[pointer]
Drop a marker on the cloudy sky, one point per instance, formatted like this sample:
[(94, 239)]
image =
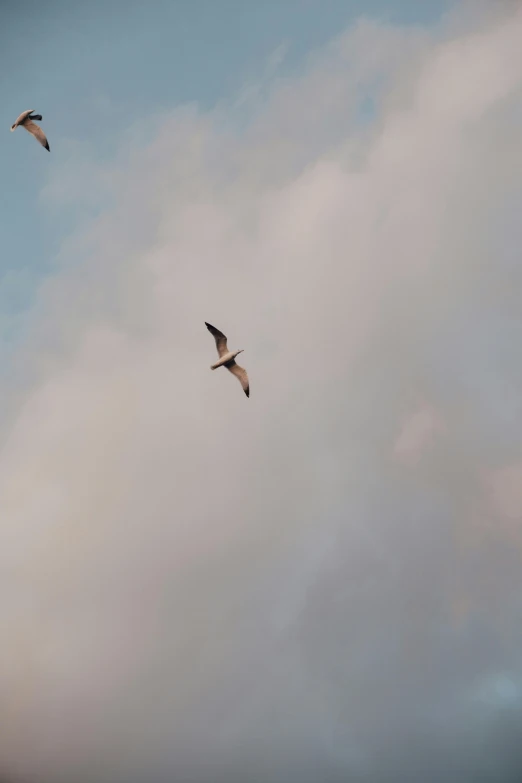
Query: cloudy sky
[(322, 582)]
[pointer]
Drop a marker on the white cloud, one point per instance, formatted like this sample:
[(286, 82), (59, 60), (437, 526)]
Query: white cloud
[(419, 429), (200, 585)]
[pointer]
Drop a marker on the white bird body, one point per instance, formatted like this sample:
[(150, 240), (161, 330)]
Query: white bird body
[(25, 120), (228, 358)]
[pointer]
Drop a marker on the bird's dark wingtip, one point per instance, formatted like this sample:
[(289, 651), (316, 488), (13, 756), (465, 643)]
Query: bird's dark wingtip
[(247, 392)]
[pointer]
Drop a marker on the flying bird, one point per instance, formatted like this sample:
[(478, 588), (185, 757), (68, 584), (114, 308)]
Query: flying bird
[(25, 120), (228, 358)]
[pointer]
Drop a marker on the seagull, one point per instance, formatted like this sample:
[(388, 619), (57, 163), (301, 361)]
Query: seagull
[(228, 358), (26, 121)]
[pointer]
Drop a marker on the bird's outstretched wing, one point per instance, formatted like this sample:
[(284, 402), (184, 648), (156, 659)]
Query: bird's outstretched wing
[(221, 340), (21, 117), (37, 132), (241, 375)]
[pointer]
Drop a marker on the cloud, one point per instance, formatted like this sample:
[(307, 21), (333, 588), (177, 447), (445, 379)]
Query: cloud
[(417, 432), (506, 493), (200, 586), (252, 91)]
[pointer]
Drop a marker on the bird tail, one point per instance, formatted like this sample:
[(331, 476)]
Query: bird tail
[(36, 117)]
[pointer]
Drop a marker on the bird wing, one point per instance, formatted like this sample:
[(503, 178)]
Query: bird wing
[(37, 132), (19, 120), (241, 375), (221, 340)]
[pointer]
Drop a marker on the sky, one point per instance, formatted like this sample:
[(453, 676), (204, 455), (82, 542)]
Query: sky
[(103, 67), (321, 582)]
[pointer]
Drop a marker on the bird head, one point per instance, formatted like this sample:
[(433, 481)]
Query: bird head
[(236, 353)]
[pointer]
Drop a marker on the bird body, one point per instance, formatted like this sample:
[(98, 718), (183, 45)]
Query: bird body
[(228, 358), (25, 120), (225, 359)]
